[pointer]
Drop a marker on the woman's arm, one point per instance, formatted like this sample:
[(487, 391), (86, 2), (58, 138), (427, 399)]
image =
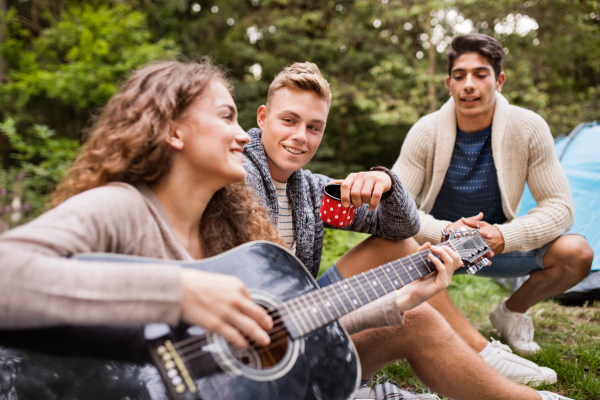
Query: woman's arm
[(42, 286), (389, 309)]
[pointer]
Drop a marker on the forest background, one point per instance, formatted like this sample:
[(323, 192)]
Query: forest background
[(61, 60)]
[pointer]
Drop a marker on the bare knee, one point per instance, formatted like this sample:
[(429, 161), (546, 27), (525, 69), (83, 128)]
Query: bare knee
[(573, 255), (423, 326)]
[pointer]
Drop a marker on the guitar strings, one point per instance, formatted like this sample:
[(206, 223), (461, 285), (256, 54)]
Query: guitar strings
[(279, 328), (277, 338), (260, 350), (299, 310)]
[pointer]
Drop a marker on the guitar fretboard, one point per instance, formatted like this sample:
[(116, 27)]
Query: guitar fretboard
[(309, 312)]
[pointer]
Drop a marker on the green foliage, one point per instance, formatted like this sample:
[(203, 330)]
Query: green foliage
[(377, 83), (385, 61), (73, 66), (40, 164), (335, 244)]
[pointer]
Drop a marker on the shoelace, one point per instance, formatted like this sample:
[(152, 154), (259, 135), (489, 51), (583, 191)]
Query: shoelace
[(525, 328), (498, 345)]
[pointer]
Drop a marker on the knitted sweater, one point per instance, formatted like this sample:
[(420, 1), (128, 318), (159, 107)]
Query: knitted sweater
[(395, 218), (40, 286), (523, 151)]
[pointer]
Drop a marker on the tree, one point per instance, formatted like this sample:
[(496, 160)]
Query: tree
[(62, 74)]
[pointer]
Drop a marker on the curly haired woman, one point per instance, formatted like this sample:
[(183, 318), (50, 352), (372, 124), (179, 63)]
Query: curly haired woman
[(161, 176)]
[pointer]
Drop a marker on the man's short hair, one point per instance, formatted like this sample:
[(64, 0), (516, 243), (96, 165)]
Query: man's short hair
[(485, 45), (301, 76)]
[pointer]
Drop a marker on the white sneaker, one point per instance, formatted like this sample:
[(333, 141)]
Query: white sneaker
[(553, 396), (516, 327), (516, 368)]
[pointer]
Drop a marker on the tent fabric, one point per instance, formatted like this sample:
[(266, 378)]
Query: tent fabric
[(580, 160)]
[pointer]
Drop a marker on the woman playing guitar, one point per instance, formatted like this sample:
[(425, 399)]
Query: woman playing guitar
[(161, 176)]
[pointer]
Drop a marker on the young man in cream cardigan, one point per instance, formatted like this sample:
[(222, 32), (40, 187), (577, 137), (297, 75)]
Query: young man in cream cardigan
[(466, 166)]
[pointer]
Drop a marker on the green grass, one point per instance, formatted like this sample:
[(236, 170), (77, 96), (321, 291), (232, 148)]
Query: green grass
[(569, 336)]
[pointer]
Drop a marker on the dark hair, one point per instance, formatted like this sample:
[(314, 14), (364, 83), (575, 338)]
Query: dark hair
[(485, 45)]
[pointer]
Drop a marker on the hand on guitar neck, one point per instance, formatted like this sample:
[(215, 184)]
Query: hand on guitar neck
[(490, 232), (421, 290), (222, 304)]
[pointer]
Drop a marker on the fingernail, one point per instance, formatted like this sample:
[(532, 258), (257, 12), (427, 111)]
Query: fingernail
[(266, 339), (346, 205)]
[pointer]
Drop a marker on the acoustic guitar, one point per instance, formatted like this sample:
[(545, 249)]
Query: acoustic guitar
[(310, 355)]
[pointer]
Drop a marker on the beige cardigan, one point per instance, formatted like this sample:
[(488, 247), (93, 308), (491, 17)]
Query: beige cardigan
[(523, 151)]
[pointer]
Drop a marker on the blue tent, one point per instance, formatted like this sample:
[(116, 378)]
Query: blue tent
[(579, 157)]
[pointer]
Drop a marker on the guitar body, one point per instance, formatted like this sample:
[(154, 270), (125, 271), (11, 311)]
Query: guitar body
[(113, 362)]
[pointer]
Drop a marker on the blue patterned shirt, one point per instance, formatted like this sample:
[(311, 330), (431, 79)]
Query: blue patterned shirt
[(471, 182)]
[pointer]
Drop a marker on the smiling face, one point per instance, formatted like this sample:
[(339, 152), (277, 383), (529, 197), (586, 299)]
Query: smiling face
[(209, 139), (292, 129), (472, 84)]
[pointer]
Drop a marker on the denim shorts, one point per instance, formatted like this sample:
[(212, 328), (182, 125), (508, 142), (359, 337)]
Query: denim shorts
[(332, 275), (515, 263)]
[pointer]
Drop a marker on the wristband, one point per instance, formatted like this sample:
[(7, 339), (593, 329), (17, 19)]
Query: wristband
[(392, 178)]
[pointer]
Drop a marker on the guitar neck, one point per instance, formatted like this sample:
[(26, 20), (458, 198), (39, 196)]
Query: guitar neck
[(311, 311)]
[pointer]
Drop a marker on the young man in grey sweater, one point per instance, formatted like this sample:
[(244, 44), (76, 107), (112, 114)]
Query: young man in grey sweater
[(291, 127)]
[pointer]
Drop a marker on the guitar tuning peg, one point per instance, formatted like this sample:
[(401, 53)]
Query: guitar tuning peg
[(452, 231), (472, 270), (462, 229), (445, 234), (483, 263)]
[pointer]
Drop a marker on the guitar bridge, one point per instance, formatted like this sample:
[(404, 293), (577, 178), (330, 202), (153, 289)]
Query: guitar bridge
[(176, 369)]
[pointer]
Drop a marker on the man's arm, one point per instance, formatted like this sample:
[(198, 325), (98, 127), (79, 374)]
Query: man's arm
[(395, 217), (411, 168), (554, 213)]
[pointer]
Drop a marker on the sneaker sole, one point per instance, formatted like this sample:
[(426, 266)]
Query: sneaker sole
[(535, 382)]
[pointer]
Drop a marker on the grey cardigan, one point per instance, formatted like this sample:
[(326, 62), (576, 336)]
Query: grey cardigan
[(395, 218)]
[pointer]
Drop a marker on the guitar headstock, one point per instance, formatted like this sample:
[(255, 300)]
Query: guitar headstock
[(471, 247)]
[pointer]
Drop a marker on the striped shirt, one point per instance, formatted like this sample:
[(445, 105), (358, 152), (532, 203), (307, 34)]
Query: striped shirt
[(285, 222)]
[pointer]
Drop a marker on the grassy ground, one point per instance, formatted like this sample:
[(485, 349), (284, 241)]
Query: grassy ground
[(569, 336)]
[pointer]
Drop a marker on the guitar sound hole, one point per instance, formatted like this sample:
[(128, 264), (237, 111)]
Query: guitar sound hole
[(273, 354), (258, 357)]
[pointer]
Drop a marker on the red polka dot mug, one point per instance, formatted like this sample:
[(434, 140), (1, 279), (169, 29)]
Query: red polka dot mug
[(332, 210)]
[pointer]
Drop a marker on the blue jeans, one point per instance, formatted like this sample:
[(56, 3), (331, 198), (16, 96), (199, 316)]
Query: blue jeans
[(515, 263), (332, 275)]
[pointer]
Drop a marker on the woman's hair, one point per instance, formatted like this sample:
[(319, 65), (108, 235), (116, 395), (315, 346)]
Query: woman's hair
[(127, 144)]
